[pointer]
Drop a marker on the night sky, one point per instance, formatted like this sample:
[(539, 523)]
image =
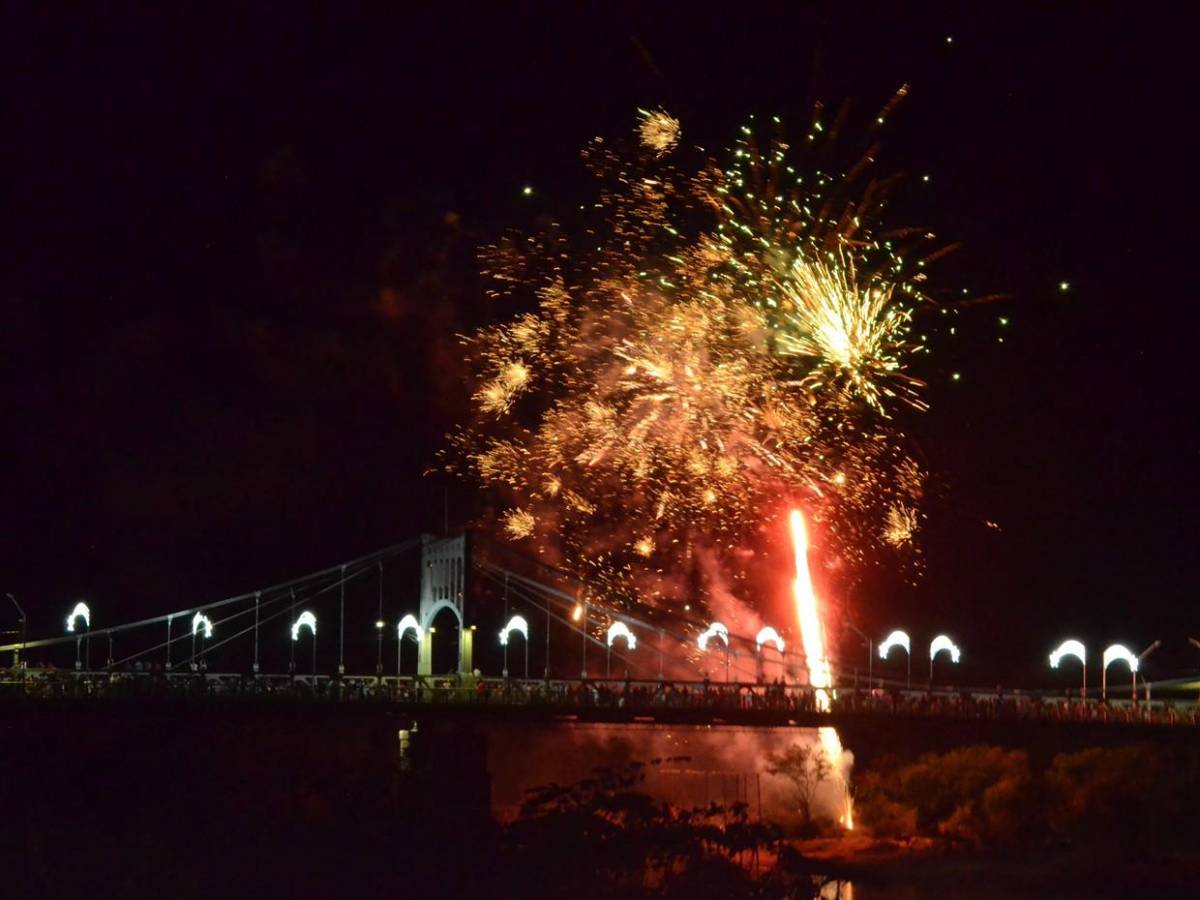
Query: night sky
[(239, 243)]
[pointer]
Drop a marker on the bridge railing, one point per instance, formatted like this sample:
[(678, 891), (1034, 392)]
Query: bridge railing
[(571, 695)]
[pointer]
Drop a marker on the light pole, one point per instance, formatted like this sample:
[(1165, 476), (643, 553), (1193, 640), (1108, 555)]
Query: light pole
[(379, 627), (341, 626), (1112, 654), (1195, 643), (766, 634), (519, 625), (1072, 647), (504, 633), (583, 635), (898, 639), (870, 654), (201, 624), (80, 611), (718, 630), (939, 644), (21, 621), (409, 622), (618, 630), (1142, 658), (257, 598), (306, 620)]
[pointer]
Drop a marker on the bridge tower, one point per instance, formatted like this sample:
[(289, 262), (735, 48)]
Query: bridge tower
[(443, 586)]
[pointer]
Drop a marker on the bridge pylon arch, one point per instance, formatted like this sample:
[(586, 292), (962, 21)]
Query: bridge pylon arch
[(444, 586)]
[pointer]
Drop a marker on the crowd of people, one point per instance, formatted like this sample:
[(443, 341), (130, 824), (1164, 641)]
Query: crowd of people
[(624, 694)]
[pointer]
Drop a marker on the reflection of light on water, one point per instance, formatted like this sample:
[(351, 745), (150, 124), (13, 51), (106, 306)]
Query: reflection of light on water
[(820, 673), (837, 890)]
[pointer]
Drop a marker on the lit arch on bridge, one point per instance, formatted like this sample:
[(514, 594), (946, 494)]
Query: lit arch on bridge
[(202, 624), (715, 630), (430, 614), (80, 611), (768, 635), (409, 623), (621, 630), (940, 644)]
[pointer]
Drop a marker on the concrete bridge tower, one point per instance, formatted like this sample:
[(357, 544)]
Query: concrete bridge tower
[(443, 586)]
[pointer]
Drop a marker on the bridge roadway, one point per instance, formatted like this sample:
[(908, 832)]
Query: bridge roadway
[(518, 700)]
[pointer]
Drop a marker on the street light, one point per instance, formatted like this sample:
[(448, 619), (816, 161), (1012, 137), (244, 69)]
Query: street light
[(1112, 654), (618, 630), (379, 626), (519, 625), (1142, 658), (202, 624), (939, 644), (21, 621), (870, 657), (81, 611), (766, 634), (408, 622), (309, 621), (716, 629), (1072, 647), (898, 639)]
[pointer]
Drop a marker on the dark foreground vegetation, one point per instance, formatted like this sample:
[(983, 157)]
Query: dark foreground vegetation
[(177, 804)]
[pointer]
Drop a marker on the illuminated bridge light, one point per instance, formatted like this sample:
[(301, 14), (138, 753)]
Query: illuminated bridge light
[(201, 621), (1120, 652), (304, 620), (716, 629), (80, 611), (1070, 647), (518, 624), (895, 639), (940, 643), (410, 622), (621, 630), (768, 634)]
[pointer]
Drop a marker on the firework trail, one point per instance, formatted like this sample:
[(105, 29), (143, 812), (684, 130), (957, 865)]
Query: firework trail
[(816, 653)]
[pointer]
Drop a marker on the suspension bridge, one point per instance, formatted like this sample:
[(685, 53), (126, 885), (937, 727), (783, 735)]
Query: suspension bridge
[(592, 661)]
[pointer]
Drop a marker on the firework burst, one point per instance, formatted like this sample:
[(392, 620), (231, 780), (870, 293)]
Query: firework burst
[(711, 344)]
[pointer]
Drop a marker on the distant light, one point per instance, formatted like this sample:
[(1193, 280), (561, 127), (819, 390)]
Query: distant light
[(1120, 652), (925, 178), (410, 621), (895, 639), (577, 613), (1069, 647), (716, 629), (304, 620), (769, 634), (621, 630), (949, 39), (379, 623), (940, 643), (80, 611), (956, 376), (527, 190), (201, 620), (518, 624), (1064, 286)]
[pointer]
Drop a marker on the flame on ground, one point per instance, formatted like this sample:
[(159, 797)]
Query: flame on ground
[(820, 673)]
